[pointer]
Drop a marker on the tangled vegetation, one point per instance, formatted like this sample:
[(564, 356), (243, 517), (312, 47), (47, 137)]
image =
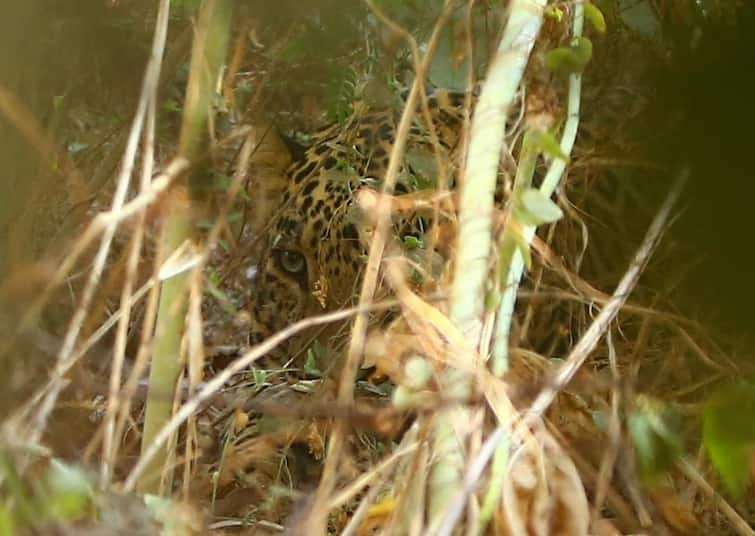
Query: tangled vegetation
[(543, 327)]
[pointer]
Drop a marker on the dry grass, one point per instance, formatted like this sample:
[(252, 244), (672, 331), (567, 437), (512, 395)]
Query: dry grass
[(543, 449)]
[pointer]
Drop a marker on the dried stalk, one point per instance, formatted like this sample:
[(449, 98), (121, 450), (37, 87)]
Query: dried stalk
[(369, 283), (44, 400), (110, 442)]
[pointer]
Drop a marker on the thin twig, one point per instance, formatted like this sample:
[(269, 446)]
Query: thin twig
[(590, 339), (738, 524), (110, 442), (345, 495), (608, 462)]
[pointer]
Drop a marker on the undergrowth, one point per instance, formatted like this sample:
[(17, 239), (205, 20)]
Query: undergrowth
[(605, 406)]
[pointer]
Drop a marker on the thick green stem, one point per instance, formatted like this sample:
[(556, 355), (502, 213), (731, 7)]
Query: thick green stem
[(474, 236), (509, 246), (207, 58), (166, 363), (551, 181), (208, 53), (512, 260)]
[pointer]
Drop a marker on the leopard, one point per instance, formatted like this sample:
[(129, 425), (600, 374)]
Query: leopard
[(314, 246)]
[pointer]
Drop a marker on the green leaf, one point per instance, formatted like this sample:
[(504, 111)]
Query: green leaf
[(654, 437), (310, 365), (571, 59), (511, 242), (76, 147), (729, 433), (223, 181), (562, 60), (595, 17), (71, 491), (642, 438), (7, 523), (170, 105), (535, 208), (582, 47), (555, 13), (523, 247), (545, 142), (412, 242), (57, 102), (259, 376)]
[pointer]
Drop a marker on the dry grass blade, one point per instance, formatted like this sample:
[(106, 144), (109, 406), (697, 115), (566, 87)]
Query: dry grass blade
[(370, 277), (56, 384), (354, 488), (608, 462), (109, 448)]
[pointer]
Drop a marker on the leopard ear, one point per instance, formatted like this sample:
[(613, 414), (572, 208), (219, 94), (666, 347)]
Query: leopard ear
[(267, 171), (269, 148)]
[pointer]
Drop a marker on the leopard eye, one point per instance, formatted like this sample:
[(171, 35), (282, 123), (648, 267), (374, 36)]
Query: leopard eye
[(292, 262)]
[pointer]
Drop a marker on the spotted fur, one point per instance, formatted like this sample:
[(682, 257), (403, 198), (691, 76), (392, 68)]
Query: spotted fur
[(313, 256)]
